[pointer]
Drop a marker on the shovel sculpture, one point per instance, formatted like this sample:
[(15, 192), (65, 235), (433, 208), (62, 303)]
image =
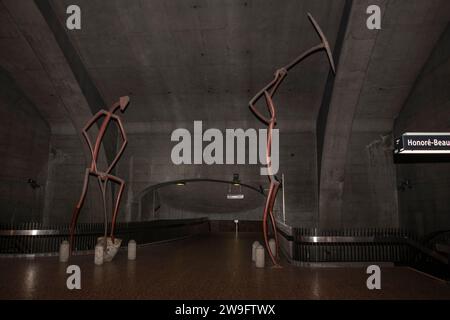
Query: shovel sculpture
[(268, 92)]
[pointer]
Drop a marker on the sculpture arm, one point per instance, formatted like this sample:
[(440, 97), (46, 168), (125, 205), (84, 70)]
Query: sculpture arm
[(271, 87), (124, 143), (281, 73), (270, 105), (88, 126)]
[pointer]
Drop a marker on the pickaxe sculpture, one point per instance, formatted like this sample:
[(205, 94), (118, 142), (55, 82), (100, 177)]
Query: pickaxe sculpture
[(268, 92), (102, 177)]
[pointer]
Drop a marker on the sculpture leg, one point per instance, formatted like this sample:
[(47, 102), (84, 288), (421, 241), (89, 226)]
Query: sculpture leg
[(265, 231), (102, 185), (274, 225), (273, 222), (117, 204), (77, 209)]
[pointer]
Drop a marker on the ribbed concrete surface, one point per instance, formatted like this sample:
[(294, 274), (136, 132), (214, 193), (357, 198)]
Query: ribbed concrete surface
[(216, 266)]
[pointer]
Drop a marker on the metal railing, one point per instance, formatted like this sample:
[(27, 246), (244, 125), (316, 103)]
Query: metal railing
[(359, 245), (38, 239)]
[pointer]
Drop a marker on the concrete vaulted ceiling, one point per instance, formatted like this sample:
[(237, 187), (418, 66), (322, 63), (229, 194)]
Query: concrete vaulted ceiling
[(203, 60), (377, 70), (400, 51), (31, 55), (182, 61)]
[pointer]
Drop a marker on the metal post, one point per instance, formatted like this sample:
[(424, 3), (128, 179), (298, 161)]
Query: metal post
[(153, 217), (282, 189)]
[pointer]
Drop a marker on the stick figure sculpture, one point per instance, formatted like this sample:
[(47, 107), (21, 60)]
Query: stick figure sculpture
[(268, 92), (111, 244)]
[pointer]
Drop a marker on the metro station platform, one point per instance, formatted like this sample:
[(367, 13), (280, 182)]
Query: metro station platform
[(212, 266)]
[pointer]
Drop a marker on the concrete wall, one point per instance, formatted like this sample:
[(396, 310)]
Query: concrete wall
[(147, 162), (152, 60), (66, 169), (425, 207), (377, 70), (168, 212), (298, 163), (24, 145), (370, 195)]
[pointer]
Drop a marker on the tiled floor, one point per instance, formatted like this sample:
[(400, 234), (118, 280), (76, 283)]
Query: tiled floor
[(205, 267)]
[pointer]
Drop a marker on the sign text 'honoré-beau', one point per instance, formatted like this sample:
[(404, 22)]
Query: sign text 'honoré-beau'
[(423, 142)]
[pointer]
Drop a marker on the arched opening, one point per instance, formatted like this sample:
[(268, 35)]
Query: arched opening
[(199, 197), (193, 198)]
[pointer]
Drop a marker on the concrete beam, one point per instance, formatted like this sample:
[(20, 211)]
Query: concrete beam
[(353, 63), (47, 79), (85, 83), (376, 71), (50, 67)]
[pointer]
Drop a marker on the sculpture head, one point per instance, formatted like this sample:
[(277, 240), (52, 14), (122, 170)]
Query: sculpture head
[(123, 103)]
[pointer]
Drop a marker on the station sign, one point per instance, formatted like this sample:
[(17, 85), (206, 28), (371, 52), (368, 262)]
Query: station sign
[(423, 143)]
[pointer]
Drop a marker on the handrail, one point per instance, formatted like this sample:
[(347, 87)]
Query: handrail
[(37, 239), (63, 229), (374, 239), (433, 235)]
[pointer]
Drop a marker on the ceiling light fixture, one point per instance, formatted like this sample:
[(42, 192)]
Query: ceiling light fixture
[(237, 183)]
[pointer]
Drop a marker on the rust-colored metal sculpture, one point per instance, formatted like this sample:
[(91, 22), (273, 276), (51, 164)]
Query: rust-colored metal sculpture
[(268, 92), (102, 176)]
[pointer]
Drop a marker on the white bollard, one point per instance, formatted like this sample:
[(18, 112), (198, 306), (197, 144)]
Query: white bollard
[(64, 249), (259, 257), (131, 250), (273, 247), (254, 245), (99, 252)]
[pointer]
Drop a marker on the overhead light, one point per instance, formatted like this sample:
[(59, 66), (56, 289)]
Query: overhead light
[(181, 183), (235, 196), (236, 181)]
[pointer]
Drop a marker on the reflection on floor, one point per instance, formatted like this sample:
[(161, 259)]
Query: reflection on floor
[(216, 266)]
